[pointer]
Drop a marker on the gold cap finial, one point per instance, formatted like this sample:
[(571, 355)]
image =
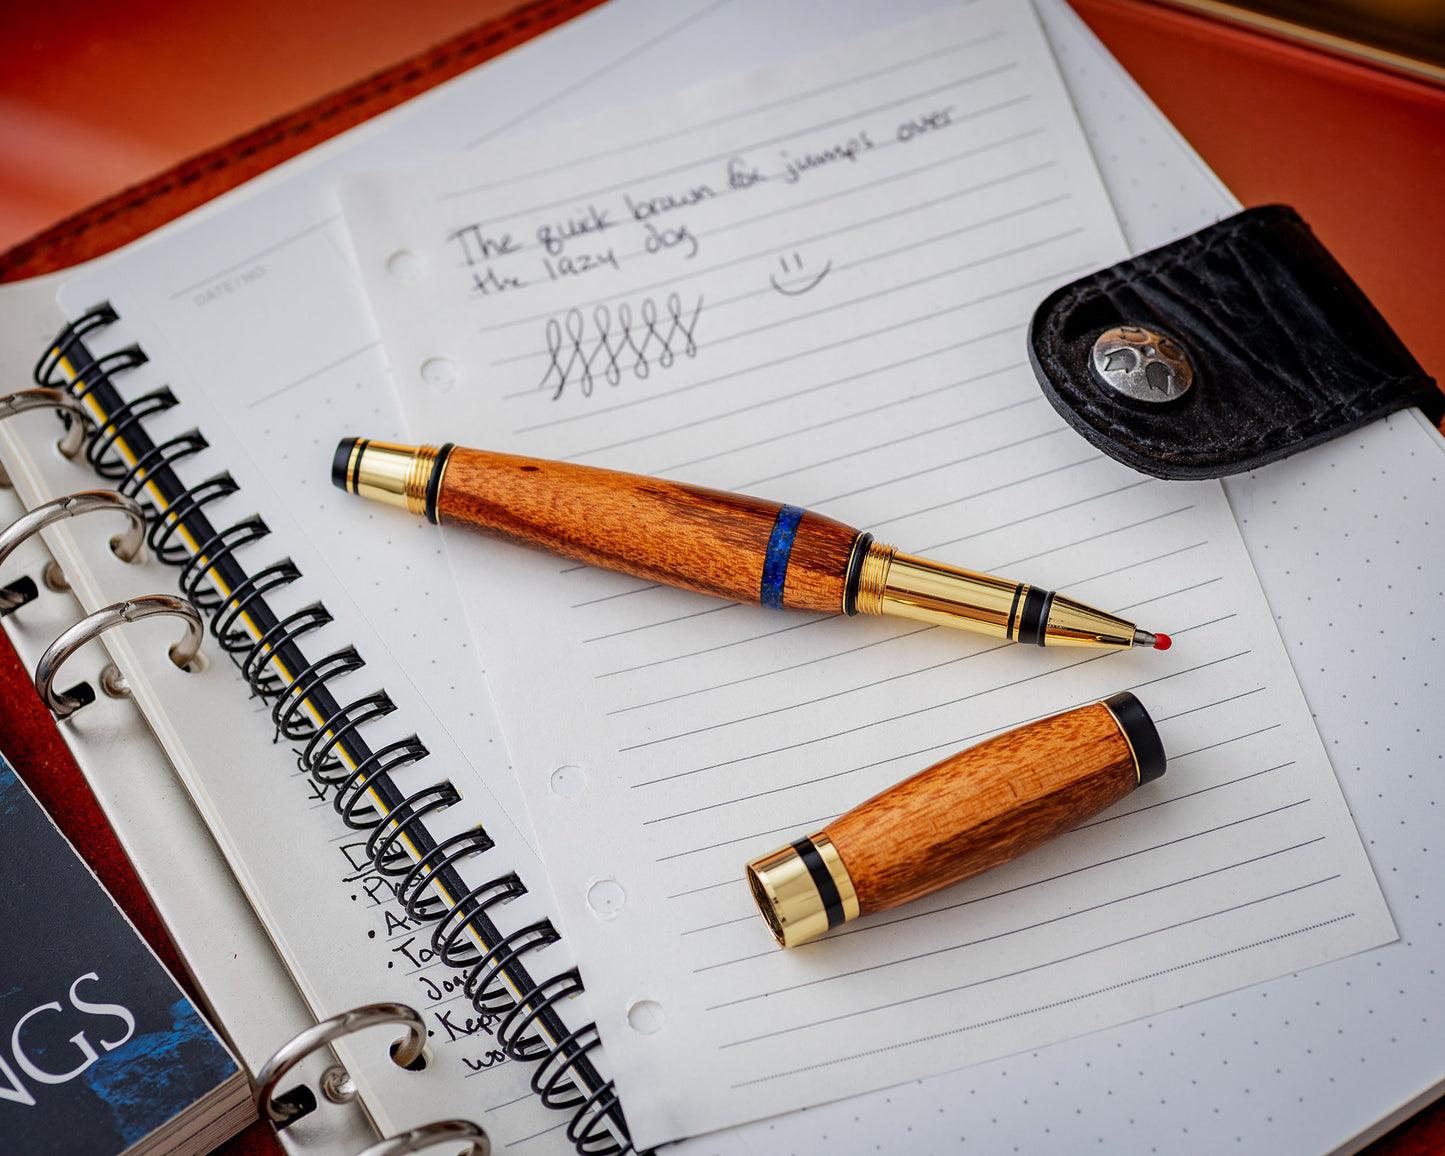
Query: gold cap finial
[(394, 474)]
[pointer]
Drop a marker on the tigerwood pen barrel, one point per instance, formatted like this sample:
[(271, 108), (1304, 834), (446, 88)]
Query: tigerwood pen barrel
[(972, 811), (718, 543)]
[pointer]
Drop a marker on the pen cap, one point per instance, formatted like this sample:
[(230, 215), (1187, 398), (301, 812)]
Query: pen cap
[(975, 810), (405, 476)]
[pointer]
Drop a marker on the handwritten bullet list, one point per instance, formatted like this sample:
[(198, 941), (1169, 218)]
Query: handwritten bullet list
[(405, 916)]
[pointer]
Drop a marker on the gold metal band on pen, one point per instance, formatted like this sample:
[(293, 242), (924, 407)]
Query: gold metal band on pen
[(873, 578), (803, 890), (1074, 624), (942, 595), (909, 587), (396, 475)]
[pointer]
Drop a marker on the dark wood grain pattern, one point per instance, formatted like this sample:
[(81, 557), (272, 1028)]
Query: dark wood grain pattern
[(983, 806), (688, 536)]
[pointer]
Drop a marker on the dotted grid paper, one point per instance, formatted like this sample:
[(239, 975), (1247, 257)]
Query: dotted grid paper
[(1317, 1062), (1327, 1059)]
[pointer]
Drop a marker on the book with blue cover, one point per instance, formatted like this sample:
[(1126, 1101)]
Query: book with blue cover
[(101, 1052)]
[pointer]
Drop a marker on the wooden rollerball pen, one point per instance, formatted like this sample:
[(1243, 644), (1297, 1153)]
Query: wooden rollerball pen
[(719, 543), (972, 811)]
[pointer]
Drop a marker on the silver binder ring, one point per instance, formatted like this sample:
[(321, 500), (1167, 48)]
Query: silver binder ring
[(336, 1085), (27, 399), (126, 546), (441, 1132), (93, 625)]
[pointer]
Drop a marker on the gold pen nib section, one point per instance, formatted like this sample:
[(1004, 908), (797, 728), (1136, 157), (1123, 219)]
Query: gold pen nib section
[(385, 472), (943, 595), (1072, 623)]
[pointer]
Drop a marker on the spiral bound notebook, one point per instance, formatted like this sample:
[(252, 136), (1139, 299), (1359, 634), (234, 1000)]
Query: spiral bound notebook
[(306, 781), (346, 905)]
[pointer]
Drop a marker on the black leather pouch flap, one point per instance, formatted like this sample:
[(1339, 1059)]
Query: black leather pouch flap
[(1235, 346)]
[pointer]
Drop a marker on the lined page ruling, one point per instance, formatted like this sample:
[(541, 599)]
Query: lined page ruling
[(812, 284)]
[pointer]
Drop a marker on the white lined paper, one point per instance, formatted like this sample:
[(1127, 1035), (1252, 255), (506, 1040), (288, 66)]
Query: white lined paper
[(906, 410)]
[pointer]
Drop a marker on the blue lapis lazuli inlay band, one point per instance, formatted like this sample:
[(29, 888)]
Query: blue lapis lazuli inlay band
[(780, 548)]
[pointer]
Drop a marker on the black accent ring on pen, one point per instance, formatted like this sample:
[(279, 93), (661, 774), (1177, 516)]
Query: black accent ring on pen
[(343, 470), (1034, 617), (822, 880), (855, 572), (434, 483), (1140, 733)]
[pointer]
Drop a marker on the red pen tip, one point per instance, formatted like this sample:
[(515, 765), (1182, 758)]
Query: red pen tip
[(1162, 641)]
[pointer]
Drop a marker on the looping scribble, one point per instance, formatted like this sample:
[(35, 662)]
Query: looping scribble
[(607, 346)]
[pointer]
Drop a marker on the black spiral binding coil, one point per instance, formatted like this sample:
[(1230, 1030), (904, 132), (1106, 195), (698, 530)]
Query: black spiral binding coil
[(449, 939), (229, 636), (333, 730), (211, 556), (378, 766), (417, 901), (98, 453), (267, 651), (168, 521)]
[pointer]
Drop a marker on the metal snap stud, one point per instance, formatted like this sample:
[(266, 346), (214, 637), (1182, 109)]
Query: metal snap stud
[(1142, 364)]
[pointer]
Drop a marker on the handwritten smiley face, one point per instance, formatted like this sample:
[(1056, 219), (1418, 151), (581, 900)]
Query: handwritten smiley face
[(795, 281)]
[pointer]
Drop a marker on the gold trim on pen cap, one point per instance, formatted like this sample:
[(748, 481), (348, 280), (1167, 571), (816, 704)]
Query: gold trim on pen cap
[(394, 474), (803, 890)]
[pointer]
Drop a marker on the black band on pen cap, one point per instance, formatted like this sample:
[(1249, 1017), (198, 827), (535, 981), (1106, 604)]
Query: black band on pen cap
[(822, 880), (341, 464), (1141, 734), (434, 482)]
